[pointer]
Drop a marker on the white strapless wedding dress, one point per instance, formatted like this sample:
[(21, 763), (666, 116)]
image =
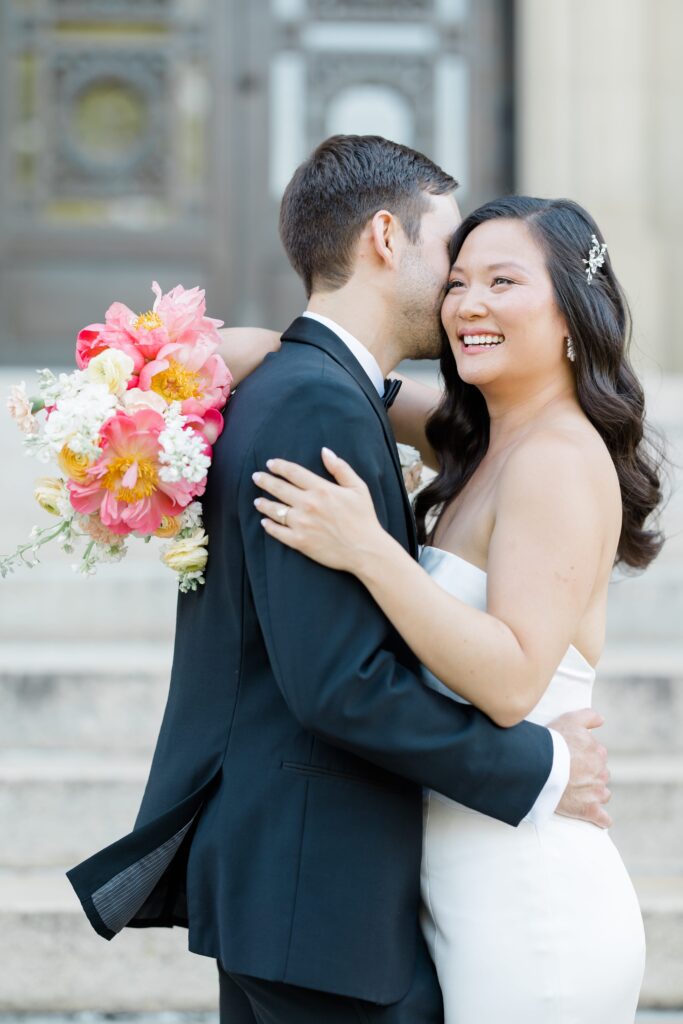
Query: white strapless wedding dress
[(527, 925)]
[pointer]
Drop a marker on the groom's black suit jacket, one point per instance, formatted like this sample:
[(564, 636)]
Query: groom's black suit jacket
[(282, 818)]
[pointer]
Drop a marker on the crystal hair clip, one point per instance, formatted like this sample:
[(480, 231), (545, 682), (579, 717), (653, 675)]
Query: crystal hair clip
[(596, 258)]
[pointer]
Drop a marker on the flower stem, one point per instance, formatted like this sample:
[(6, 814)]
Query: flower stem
[(43, 536)]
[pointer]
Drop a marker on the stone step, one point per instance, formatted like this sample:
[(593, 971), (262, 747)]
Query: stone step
[(647, 809), (89, 695), (661, 900), (65, 805), (54, 963), (639, 690), (111, 696), (654, 1017), (647, 608), (164, 1017), (128, 601)]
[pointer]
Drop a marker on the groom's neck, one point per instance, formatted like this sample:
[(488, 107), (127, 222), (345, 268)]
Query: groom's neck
[(365, 317)]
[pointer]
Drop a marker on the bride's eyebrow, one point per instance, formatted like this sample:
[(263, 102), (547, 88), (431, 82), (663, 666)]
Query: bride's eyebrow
[(508, 264)]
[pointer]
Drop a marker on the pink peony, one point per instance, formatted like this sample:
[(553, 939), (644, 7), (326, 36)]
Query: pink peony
[(176, 318), (210, 425), (184, 315), (89, 344), (120, 331), (192, 374), (125, 489)]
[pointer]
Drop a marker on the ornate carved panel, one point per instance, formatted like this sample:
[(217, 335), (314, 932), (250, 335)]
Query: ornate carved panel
[(145, 139), (111, 133), (329, 76), (105, 106), (109, 142)]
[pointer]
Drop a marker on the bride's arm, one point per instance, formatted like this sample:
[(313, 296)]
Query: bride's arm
[(546, 545), (412, 408), (245, 348)]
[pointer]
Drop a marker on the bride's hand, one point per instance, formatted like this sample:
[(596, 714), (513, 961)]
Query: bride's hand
[(245, 348), (333, 523)]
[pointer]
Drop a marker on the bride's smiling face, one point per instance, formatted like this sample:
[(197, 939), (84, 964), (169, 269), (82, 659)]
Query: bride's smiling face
[(500, 312)]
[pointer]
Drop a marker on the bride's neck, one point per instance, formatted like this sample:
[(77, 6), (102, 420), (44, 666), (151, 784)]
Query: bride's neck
[(513, 410)]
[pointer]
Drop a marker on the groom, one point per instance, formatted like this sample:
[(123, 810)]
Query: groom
[(282, 818)]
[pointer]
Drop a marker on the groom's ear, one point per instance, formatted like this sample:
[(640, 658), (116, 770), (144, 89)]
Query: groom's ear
[(384, 234)]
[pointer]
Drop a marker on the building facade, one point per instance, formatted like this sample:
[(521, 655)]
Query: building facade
[(152, 139)]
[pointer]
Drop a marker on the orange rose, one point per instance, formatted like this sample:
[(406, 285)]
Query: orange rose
[(75, 466), (170, 525)]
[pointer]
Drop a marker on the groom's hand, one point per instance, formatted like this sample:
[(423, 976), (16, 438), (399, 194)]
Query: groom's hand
[(586, 792)]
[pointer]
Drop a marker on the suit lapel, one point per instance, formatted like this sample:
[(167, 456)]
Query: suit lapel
[(311, 332)]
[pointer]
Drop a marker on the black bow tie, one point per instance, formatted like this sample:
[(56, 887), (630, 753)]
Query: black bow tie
[(391, 389)]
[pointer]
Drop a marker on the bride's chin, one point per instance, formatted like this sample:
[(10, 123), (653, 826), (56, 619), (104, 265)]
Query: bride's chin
[(471, 373)]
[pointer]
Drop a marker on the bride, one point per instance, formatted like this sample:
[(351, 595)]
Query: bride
[(542, 485)]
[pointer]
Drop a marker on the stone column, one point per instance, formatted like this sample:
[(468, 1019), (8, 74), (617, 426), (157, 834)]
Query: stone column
[(599, 92)]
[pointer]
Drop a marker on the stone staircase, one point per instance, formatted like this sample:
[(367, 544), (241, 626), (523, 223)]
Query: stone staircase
[(77, 723)]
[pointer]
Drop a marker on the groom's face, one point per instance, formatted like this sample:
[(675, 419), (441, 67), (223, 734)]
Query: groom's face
[(424, 273)]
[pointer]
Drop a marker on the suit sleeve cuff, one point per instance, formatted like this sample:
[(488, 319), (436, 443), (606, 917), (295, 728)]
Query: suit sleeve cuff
[(556, 783)]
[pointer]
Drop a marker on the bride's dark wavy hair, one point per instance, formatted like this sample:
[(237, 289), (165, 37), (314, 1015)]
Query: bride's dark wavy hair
[(609, 392)]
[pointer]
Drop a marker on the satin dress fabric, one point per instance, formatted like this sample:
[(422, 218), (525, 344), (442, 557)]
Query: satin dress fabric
[(538, 924)]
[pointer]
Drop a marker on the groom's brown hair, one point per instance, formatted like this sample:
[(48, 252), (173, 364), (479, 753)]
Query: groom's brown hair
[(335, 192)]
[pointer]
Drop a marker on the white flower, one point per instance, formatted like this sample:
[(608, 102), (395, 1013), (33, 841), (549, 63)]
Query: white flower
[(77, 409), (53, 388), (102, 548), (19, 405), (183, 455), (188, 555), (49, 492), (191, 516), (137, 399), (77, 418), (111, 368)]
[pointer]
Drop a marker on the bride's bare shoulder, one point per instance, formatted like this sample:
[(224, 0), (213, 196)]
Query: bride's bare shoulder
[(565, 455)]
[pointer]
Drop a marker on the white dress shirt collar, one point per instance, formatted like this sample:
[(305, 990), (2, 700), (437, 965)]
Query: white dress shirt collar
[(356, 347)]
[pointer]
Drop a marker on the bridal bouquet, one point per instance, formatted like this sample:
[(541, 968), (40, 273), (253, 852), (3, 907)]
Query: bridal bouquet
[(132, 431)]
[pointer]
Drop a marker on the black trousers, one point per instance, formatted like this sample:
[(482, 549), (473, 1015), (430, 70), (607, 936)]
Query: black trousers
[(247, 1000)]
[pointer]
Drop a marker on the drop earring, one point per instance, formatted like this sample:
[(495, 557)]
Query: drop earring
[(571, 354)]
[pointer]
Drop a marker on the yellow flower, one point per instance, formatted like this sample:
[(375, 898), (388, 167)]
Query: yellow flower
[(169, 526), (112, 368), (187, 555), (50, 494), (73, 465)]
